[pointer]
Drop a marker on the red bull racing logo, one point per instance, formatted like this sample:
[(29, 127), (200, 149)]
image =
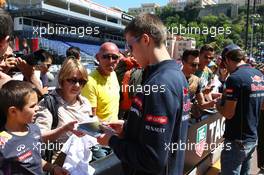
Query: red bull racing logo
[(257, 83), (257, 79)]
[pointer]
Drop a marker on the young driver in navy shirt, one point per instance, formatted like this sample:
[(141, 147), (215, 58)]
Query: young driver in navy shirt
[(156, 117), (241, 103)]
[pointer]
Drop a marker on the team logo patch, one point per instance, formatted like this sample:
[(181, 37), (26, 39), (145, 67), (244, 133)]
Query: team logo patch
[(138, 102), (229, 91), (200, 140), (257, 79), (187, 106), (25, 156), (185, 91), (163, 120), (21, 147)]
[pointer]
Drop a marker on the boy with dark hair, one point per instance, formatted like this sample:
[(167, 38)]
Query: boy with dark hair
[(20, 139)]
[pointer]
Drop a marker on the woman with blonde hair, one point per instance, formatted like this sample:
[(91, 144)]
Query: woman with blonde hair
[(71, 106), (2, 3)]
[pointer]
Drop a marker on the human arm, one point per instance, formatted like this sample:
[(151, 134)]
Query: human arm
[(28, 73), (148, 153), (53, 169), (228, 109), (89, 92), (204, 104), (54, 134), (227, 105), (44, 120)]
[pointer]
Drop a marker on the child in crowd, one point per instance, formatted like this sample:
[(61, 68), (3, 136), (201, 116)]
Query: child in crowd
[(20, 139)]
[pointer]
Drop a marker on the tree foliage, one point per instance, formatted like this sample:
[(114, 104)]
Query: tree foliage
[(209, 24)]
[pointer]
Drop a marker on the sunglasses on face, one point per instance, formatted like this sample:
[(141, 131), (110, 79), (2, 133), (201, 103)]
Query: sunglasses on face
[(209, 58), (130, 43), (73, 81), (113, 56), (194, 65), (47, 65)]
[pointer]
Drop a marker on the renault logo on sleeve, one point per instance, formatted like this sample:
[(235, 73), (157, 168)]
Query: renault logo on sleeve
[(21, 147)]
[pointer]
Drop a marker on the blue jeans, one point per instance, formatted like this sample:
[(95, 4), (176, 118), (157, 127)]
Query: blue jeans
[(235, 157)]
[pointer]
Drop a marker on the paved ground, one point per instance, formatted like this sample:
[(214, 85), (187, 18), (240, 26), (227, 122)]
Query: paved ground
[(215, 170)]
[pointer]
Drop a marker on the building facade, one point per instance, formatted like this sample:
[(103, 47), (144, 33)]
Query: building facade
[(145, 8), (179, 5), (177, 44), (241, 2), (230, 10)]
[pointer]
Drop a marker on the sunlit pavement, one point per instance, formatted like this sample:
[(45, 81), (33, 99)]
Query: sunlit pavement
[(215, 169)]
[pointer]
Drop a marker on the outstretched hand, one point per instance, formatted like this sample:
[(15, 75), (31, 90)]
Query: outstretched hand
[(118, 126), (70, 127), (60, 171)]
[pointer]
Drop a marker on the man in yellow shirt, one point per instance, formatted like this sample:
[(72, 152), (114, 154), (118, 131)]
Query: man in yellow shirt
[(102, 89)]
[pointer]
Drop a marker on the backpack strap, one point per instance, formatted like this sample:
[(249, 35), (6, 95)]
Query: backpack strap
[(51, 103)]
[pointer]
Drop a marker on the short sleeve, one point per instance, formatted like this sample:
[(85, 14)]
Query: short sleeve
[(89, 91), (233, 88)]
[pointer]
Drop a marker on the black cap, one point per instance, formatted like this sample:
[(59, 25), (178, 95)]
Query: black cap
[(228, 49)]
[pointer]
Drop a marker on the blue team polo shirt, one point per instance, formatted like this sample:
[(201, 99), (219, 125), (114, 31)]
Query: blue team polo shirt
[(246, 86), (23, 152)]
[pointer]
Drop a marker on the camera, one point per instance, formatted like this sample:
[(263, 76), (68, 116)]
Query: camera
[(34, 58)]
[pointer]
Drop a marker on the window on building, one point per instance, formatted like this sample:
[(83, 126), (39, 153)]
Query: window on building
[(36, 23), (111, 19), (79, 9), (98, 15), (60, 4), (27, 22)]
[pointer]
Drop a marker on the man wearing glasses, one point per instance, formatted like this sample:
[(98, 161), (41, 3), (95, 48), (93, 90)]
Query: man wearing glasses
[(102, 89), (143, 144), (190, 60)]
